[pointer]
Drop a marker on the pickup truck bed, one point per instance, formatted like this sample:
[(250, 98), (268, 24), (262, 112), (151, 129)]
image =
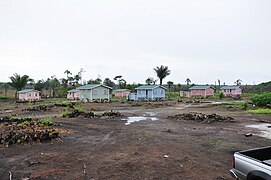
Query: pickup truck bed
[(250, 162)]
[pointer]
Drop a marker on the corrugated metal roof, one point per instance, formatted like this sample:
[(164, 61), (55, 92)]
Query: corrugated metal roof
[(91, 86), (150, 87), (27, 90), (120, 90), (202, 87), (74, 90), (230, 87)]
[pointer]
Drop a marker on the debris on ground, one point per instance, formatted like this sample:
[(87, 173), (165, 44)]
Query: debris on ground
[(90, 114), (26, 129), (248, 134), (200, 117), (38, 108)]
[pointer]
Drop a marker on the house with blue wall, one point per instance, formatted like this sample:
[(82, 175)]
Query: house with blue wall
[(150, 92)]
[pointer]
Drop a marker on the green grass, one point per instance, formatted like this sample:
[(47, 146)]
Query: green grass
[(174, 95), (260, 111), (46, 122), (237, 105), (3, 97)]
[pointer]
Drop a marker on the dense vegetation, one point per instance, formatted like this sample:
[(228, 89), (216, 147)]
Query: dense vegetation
[(262, 99)]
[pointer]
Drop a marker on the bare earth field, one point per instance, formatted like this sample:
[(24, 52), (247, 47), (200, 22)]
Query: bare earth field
[(154, 148)]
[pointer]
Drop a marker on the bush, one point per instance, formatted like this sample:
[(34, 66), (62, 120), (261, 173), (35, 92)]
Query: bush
[(3, 97), (172, 95), (262, 99), (46, 122), (221, 95)]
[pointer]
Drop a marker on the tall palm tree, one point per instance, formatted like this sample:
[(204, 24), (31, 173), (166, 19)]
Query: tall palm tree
[(188, 81), (67, 72), (149, 81), (162, 72), (238, 82), (19, 82)]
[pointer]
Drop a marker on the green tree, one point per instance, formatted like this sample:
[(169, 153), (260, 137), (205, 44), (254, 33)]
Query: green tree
[(108, 82), (149, 80), (54, 85), (169, 84), (188, 81), (19, 82), (238, 82), (162, 72)]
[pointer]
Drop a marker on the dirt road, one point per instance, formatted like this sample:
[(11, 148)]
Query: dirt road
[(153, 147)]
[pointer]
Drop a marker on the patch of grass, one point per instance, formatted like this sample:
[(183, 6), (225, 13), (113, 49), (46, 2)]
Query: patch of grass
[(79, 108), (236, 105), (3, 97), (174, 95), (213, 143), (46, 122), (66, 113), (260, 111), (24, 124)]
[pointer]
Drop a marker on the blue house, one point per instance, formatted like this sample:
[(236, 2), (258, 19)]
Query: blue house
[(150, 92)]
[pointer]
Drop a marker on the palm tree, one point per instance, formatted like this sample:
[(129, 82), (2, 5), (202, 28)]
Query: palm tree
[(238, 82), (162, 72), (149, 81), (67, 72), (188, 81), (19, 82)]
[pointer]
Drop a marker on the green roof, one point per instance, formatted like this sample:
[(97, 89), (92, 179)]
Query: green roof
[(91, 86), (202, 87), (150, 87), (27, 90), (74, 90), (120, 90), (230, 87)]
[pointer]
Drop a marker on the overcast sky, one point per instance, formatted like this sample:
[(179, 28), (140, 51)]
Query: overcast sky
[(203, 40)]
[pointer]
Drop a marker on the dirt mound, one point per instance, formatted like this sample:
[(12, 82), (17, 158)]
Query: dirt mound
[(26, 129), (38, 108), (200, 117), (76, 113), (28, 135)]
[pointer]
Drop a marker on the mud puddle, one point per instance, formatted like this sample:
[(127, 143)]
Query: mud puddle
[(144, 117), (265, 129)]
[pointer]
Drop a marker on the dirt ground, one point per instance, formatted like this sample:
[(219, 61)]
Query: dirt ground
[(155, 148)]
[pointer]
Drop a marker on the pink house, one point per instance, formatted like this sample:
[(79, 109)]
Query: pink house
[(203, 91), (73, 94), (29, 95), (231, 90), (121, 92)]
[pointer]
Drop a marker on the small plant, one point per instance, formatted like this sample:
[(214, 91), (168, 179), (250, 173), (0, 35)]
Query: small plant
[(3, 97), (221, 95), (79, 108), (244, 105), (66, 113), (46, 122), (260, 111), (25, 124)]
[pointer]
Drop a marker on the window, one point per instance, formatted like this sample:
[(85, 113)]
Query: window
[(162, 91), (95, 92), (36, 94), (29, 95), (154, 92), (105, 92)]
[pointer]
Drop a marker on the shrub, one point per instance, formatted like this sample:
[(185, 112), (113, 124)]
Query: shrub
[(221, 95), (262, 99), (46, 122), (3, 97)]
